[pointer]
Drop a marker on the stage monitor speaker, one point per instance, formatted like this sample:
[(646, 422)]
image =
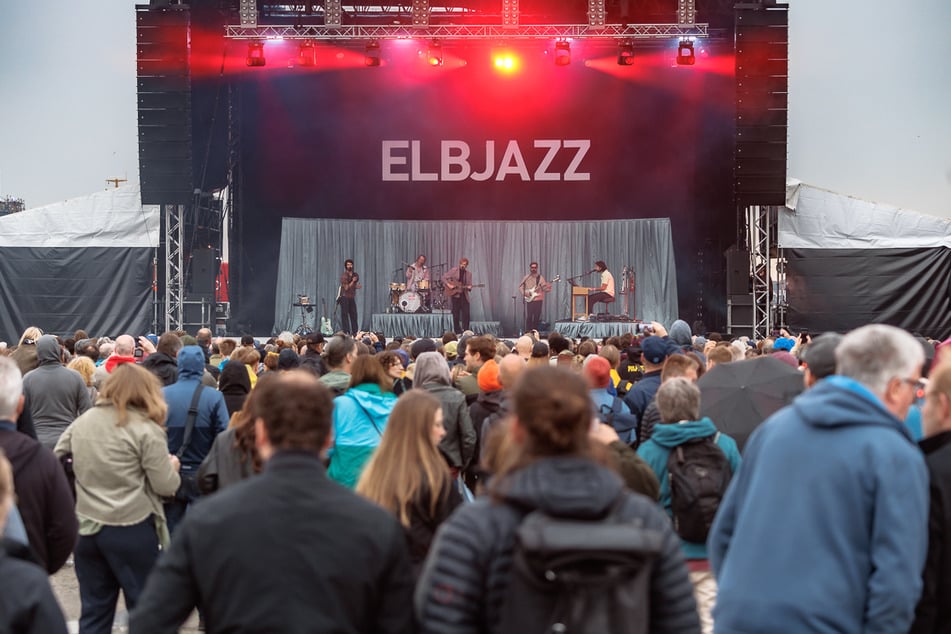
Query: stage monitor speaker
[(737, 271), (762, 52), (203, 271), (163, 82)]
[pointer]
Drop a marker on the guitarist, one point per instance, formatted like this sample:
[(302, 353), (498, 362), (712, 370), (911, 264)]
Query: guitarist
[(533, 288), (349, 283), (458, 283)]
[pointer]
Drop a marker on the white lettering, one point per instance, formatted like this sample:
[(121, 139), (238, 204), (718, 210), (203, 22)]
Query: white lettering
[(512, 163), (449, 160), (571, 173), (486, 174), (418, 173), (542, 173), (389, 161)]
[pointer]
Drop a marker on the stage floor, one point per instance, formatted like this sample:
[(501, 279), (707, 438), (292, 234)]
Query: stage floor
[(594, 329), (425, 325)]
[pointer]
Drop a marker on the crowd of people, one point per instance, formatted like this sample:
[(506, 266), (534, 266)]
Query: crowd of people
[(474, 484)]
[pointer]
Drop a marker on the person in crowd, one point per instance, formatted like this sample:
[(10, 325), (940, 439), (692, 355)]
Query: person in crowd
[(123, 352), (311, 358), (289, 550), (540, 354), (233, 456), (613, 355), (235, 385), (359, 420), (86, 368), (489, 400), (654, 351), (393, 366), (818, 358), (57, 395), (933, 613), (339, 354), (45, 501), (676, 366), (853, 524), (162, 362), (210, 418), (203, 340), (678, 402), (468, 571), (718, 355), (407, 475), (477, 352), (122, 466), (27, 603), (458, 444), (25, 354)]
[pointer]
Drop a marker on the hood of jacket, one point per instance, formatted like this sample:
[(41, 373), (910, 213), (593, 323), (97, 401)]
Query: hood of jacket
[(48, 351), (680, 333), (374, 401), (839, 401), (564, 486), (670, 435), (191, 363), (491, 400), (234, 379)]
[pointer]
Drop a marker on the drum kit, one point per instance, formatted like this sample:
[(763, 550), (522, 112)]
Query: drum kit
[(429, 296)]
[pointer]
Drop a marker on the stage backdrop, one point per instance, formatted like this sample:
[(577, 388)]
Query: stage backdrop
[(313, 251)]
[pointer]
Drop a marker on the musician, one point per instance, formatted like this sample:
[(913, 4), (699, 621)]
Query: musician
[(416, 273), (533, 288), (605, 292), (458, 283), (349, 283)]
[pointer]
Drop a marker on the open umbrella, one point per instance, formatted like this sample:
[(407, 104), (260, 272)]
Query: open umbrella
[(739, 396)]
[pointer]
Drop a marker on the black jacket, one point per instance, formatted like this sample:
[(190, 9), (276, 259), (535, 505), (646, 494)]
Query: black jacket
[(933, 613), (465, 578), (27, 604), (286, 551), (162, 366), (44, 498)]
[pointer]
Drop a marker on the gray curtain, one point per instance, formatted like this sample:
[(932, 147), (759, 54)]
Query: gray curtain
[(313, 252)]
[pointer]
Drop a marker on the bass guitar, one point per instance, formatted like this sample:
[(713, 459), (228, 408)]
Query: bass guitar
[(455, 289), (326, 328), (535, 291)]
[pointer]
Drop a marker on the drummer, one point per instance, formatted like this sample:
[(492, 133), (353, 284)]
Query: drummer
[(417, 275)]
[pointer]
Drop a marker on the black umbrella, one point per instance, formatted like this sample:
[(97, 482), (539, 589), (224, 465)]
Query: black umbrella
[(739, 396)]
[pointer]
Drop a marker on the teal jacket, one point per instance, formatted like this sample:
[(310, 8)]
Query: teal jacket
[(360, 416), (656, 450)]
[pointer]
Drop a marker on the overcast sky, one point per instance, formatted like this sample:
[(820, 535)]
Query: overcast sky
[(870, 89)]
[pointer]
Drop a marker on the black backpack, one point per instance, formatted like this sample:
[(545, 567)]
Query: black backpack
[(621, 419), (699, 474), (580, 576)]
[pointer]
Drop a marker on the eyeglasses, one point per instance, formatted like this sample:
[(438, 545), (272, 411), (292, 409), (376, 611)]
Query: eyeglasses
[(919, 385)]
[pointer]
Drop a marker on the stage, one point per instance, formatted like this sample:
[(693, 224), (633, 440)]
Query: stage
[(425, 325), (593, 329)]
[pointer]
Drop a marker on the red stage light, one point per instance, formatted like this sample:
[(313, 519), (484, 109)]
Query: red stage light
[(685, 54), (434, 54), (256, 54), (562, 53)]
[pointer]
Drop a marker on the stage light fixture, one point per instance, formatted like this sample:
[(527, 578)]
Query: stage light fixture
[(256, 54), (562, 53), (685, 54), (434, 54), (625, 54), (307, 54), (372, 55)]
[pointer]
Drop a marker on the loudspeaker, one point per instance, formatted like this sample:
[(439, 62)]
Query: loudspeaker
[(204, 270), (163, 81), (762, 45), (737, 271), (740, 315)]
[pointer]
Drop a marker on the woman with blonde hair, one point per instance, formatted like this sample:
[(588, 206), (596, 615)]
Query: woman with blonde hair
[(25, 353), (408, 476), (86, 369), (122, 466)]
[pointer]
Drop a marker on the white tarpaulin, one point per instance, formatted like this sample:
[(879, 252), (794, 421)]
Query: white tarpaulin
[(816, 218), (110, 218)]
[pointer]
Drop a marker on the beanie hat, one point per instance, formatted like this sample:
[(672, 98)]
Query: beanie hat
[(598, 371), (784, 343), (489, 376), (422, 345)]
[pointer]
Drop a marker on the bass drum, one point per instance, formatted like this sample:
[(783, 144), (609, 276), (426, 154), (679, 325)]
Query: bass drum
[(410, 302)]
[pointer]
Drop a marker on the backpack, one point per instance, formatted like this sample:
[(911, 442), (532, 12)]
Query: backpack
[(621, 419), (580, 576), (699, 474)]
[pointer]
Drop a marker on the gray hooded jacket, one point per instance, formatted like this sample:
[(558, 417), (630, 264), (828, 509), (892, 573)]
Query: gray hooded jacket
[(57, 395)]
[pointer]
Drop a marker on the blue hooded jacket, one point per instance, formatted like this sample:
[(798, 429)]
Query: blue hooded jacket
[(359, 419), (824, 527), (657, 449), (212, 411)]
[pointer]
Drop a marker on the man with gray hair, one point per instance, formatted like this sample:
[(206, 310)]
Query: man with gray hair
[(824, 527)]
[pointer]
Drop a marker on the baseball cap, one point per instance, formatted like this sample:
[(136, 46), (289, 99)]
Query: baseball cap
[(655, 349)]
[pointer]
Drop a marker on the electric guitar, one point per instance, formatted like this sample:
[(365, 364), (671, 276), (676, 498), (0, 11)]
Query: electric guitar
[(326, 328), (455, 289), (533, 292)]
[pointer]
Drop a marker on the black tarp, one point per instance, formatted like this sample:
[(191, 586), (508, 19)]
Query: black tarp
[(104, 290), (840, 289)]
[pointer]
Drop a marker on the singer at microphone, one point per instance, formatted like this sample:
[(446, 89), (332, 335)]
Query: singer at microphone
[(605, 292)]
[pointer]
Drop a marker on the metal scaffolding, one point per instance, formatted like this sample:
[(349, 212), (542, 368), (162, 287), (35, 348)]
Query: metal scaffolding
[(757, 219), (174, 269)]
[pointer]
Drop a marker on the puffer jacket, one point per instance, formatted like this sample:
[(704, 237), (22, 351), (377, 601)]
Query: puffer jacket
[(466, 576), (359, 419)]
